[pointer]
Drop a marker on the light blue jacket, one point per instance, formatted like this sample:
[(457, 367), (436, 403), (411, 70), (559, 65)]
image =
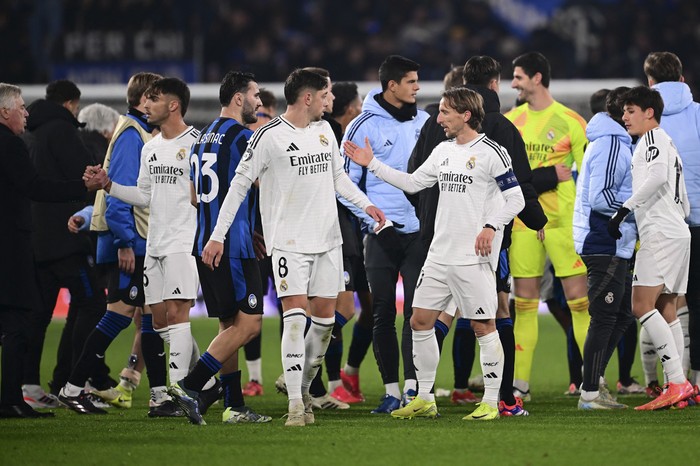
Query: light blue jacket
[(604, 183), (392, 142), (681, 120)]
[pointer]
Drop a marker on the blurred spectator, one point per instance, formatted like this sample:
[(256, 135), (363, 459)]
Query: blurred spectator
[(269, 37), (100, 121)]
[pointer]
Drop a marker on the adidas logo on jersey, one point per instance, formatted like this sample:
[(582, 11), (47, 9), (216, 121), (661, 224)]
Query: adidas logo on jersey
[(152, 158), (490, 375), (292, 147), (177, 291), (294, 368), (445, 162), (480, 311), (388, 143)]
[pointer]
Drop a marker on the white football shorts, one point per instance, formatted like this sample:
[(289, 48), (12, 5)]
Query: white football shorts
[(662, 260), (472, 288), (170, 277), (312, 275)]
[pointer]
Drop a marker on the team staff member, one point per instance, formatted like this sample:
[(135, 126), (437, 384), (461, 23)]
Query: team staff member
[(20, 184), (392, 122), (121, 247)]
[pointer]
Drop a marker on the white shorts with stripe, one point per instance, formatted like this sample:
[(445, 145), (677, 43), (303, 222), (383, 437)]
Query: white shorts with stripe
[(472, 288)]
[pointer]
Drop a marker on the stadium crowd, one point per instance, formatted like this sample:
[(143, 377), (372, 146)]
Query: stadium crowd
[(598, 39)]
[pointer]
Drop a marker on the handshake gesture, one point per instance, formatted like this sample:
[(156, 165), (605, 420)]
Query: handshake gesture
[(95, 178)]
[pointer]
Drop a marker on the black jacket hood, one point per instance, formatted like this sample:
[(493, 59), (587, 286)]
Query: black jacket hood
[(43, 111)]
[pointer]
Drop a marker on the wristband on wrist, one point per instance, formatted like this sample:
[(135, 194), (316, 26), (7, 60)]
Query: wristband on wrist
[(488, 225)]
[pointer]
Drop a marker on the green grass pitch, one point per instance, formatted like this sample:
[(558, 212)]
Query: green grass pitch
[(555, 433)]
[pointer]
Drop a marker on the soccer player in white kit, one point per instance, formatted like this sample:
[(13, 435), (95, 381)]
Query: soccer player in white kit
[(170, 274), (660, 205), (297, 160), (479, 196)]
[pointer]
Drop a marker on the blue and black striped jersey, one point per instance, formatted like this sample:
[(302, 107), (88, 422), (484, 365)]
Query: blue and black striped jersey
[(214, 159)]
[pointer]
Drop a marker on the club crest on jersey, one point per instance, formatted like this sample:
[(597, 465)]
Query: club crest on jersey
[(550, 134), (252, 301), (323, 139), (283, 285), (181, 154), (471, 163), (133, 292), (346, 276), (248, 154), (610, 297)]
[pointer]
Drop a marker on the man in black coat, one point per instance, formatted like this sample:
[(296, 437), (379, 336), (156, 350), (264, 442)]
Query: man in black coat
[(482, 74), (62, 259), (20, 183)]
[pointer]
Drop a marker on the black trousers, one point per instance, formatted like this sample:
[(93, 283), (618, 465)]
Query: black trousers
[(383, 274), (693, 297), (609, 296), (87, 306), (13, 328)]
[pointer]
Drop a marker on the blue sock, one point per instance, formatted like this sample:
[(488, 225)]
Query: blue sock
[(502, 323), (112, 323), (205, 368), (231, 386), (441, 331)]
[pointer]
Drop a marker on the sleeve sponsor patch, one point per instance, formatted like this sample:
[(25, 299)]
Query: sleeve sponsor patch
[(652, 153)]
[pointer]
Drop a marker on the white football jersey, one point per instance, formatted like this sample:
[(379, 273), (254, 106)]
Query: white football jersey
[(300, 170), (473, 179), (164, 178), (657, 208)]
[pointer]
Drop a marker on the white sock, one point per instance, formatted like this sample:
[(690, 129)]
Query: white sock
[(521, 385), (72, 390), (159, 395), (195, 353), (426, 356), (180, 351), (392, 389), (410, 384), (294, 322), (255, 370), (647, 352), (662, 337), (678, 338), (491, 356), (589, 396), (164, 333), (317, 339), (682, 314), (333, 384), (349, 370)]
